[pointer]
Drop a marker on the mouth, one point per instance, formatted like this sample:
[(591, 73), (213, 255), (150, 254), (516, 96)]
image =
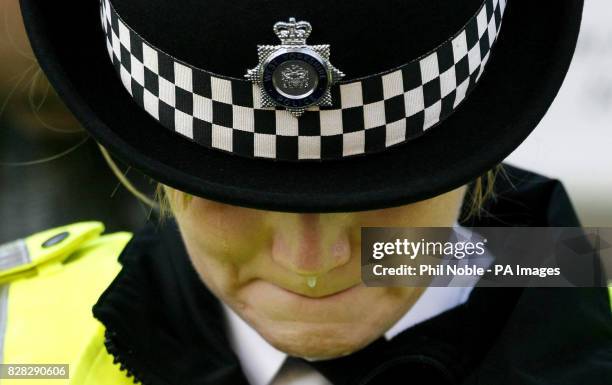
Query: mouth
[(323, 295), (296, 305)]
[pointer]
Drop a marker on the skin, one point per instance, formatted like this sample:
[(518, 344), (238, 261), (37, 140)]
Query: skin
[(257, 262)]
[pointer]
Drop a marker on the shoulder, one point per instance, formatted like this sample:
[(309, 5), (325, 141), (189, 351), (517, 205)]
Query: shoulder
[(525, 198), (59, 250)]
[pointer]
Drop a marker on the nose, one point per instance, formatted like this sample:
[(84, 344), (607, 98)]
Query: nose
[(310, 244)]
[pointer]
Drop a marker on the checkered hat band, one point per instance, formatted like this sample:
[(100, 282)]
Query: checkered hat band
[(368, 115)]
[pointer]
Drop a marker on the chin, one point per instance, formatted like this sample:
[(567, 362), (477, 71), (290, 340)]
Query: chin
[(321, 328), (317, 341)]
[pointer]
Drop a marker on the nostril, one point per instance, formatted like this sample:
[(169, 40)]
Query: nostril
[(341, 250)]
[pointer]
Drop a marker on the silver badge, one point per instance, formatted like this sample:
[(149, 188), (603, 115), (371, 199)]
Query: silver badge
[(294, 75)]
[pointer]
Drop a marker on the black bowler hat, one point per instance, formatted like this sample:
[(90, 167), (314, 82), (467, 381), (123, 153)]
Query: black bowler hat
[(434, 92)]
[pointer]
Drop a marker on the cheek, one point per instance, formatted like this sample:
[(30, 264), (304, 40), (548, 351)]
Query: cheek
[(227, 233), (221, 277), (222, 244)]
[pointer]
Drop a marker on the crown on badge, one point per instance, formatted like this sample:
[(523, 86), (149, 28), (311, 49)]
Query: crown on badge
[(293, 32)]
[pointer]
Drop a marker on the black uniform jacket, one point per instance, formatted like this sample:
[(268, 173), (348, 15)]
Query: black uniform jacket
[(165, 327)]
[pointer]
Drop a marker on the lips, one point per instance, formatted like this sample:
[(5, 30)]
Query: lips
[(285, 304), (320, 295)]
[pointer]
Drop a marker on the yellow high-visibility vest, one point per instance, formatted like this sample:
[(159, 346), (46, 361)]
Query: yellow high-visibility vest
[(48, 285)]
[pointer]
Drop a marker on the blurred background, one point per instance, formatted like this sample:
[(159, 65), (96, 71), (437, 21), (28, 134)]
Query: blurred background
[(52, 174), (574, 140)]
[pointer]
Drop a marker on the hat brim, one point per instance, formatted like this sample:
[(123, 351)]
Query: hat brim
[(526, 70)]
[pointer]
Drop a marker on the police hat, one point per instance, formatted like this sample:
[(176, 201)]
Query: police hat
[(307, 106)]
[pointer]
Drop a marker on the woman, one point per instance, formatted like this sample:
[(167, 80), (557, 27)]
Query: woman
[(270, 180)]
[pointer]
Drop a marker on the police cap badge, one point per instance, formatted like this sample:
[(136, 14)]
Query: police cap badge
[(294, 75)]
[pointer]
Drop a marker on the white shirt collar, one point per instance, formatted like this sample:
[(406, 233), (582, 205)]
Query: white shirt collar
[(260, 361)]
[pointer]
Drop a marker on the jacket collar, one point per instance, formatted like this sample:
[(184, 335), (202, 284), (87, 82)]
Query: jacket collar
[(162, 323)]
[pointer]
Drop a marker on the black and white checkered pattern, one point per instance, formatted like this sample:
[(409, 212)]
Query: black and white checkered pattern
[(368, 115)]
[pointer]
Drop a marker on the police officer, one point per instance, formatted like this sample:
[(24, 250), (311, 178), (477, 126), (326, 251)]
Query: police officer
[(270, 168)]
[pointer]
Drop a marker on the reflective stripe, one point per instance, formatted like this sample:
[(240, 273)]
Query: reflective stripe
[(3, 316), (14, 254)]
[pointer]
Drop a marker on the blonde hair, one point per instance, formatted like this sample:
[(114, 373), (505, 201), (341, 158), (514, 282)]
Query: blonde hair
[(482, 190), (166, 199)]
